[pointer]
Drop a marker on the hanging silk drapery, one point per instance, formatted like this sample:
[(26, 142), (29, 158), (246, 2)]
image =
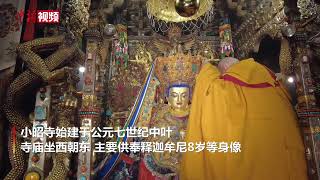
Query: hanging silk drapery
[(108, 164), (120, 45), (226, 46), (31, 21)]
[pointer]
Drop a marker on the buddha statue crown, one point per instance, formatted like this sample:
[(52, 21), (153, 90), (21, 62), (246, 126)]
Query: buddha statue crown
[(177, 70)]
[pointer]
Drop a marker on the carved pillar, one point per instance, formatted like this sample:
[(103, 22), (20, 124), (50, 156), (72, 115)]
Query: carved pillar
[(90, 109), (308, 112)]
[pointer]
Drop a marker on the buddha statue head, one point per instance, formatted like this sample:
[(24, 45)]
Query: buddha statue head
[(178, 97), (176, 75)]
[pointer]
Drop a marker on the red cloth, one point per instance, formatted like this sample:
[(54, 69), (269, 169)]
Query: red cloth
[(235, 80), (144, 173), (127, 159), (31, 20), (241, 83)]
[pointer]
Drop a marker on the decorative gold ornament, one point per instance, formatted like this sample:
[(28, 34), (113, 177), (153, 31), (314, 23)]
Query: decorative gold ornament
[(32, 176), (142, 54), (166, 164), (75, 16), (109, 29), (174, 32), (307, 8), (89, 100), (65, 116), (179, 69), (166, 9), (285, 59), (121, 28), (187, 8), (207, 51), (249, 38), (39, 70), (174, 44), (267, 19)]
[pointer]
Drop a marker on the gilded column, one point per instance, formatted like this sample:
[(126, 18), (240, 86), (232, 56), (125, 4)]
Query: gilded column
[(308, 112)]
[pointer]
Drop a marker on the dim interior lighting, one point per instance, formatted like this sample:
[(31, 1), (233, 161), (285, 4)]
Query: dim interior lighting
[(290, 79), (82, 69)]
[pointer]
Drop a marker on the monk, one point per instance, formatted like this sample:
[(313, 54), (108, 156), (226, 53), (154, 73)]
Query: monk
[(242, 102)]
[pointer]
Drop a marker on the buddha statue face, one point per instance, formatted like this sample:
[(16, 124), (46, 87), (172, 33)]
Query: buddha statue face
[(178, 97)]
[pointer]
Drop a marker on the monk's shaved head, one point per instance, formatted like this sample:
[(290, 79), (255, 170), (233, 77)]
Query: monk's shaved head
[(226, 63)]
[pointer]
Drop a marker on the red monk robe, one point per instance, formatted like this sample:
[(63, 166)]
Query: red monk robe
[(246, 104)]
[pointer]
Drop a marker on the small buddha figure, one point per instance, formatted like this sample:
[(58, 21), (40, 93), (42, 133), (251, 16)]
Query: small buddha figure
[(176, 75), (143, 56), (173, 44)]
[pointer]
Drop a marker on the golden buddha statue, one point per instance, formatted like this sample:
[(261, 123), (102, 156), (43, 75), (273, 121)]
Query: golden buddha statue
[(142, 56), (176, 75)]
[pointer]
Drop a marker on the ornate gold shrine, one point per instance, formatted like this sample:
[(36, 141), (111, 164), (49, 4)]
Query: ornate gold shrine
[(165, 10)]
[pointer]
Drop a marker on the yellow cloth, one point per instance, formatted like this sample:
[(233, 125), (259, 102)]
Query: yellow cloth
[(261, 119)]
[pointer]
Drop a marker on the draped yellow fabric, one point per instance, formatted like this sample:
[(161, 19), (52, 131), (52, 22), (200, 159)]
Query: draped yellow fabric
[(260, 118)]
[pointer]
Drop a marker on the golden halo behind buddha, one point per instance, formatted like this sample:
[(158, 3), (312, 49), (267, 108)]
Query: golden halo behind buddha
[(165, 10)]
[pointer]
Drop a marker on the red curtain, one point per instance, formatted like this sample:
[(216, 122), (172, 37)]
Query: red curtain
[(31, 20)]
